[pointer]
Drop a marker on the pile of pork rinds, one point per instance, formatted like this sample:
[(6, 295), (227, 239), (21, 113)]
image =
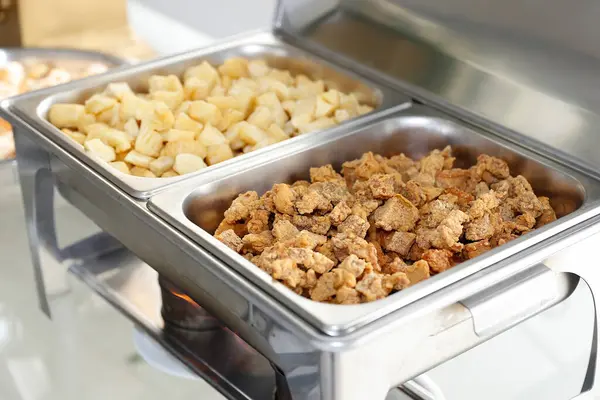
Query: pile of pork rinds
[(381, 225)]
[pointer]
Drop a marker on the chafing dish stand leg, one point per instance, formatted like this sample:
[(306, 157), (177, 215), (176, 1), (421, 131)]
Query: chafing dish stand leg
[(37, 189)]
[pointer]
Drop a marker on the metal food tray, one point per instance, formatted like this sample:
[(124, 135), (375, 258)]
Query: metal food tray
[(261, 45), (326, 352), (197, 208), (8, 54)]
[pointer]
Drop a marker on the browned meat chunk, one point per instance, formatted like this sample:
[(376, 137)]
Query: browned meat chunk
[(438, 260), (241, 207), (231, 240), (526, 203), (354, 224), (417, 272), (382, 186), (308, 240), (284, 199), (446, 235), (487, 165), (312, 200), (400, 163), (239, 229), (524, 222), (327, 250), (396, 281), (284, 230), (354, 265), (256, 243), (548, 214), (324, 174), (371, 287), (416, 252), (399, 242), (325, 288), (365, 208), (259, 221), (432, 214), (432, 164), (460, 198), (339, 213), (363, 168), (334, 191), (310, 259), (315, 224), (287, 271), (345, 244), (397, 214), (415, 193), (454, 178), (481, 188), (481, 228), (347, 295), (485, 203), (396, 265), (474, 249)]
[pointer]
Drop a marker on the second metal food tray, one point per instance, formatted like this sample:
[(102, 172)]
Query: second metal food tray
[(195, 207)]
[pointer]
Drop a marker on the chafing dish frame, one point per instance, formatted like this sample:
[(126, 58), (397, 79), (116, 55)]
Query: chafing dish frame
[(316, 365)]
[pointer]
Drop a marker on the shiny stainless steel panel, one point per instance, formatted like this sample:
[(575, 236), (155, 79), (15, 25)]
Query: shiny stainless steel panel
[(216, 355), (505, 64), (197, 208), (33, 108)]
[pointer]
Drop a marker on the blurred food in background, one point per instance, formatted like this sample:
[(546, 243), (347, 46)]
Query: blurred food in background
[(74, 24)]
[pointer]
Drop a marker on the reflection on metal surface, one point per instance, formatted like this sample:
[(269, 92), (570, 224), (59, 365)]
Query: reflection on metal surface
[(214, 354), (452, 53)]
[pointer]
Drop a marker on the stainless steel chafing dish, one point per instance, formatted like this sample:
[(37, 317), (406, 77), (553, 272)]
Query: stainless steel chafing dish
[(323, 351)]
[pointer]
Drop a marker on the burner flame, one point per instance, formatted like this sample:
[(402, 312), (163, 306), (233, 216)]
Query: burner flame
[(185, 297)]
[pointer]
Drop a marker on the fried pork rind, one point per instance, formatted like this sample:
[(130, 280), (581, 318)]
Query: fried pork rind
[(382, 225)]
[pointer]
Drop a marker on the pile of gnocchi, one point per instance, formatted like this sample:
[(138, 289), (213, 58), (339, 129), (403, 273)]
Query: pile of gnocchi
[(208, 116)]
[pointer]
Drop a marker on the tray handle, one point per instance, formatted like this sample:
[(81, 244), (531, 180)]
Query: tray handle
[(517, 298)]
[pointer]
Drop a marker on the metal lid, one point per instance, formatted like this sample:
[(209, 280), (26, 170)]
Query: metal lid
[(532, 67)]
